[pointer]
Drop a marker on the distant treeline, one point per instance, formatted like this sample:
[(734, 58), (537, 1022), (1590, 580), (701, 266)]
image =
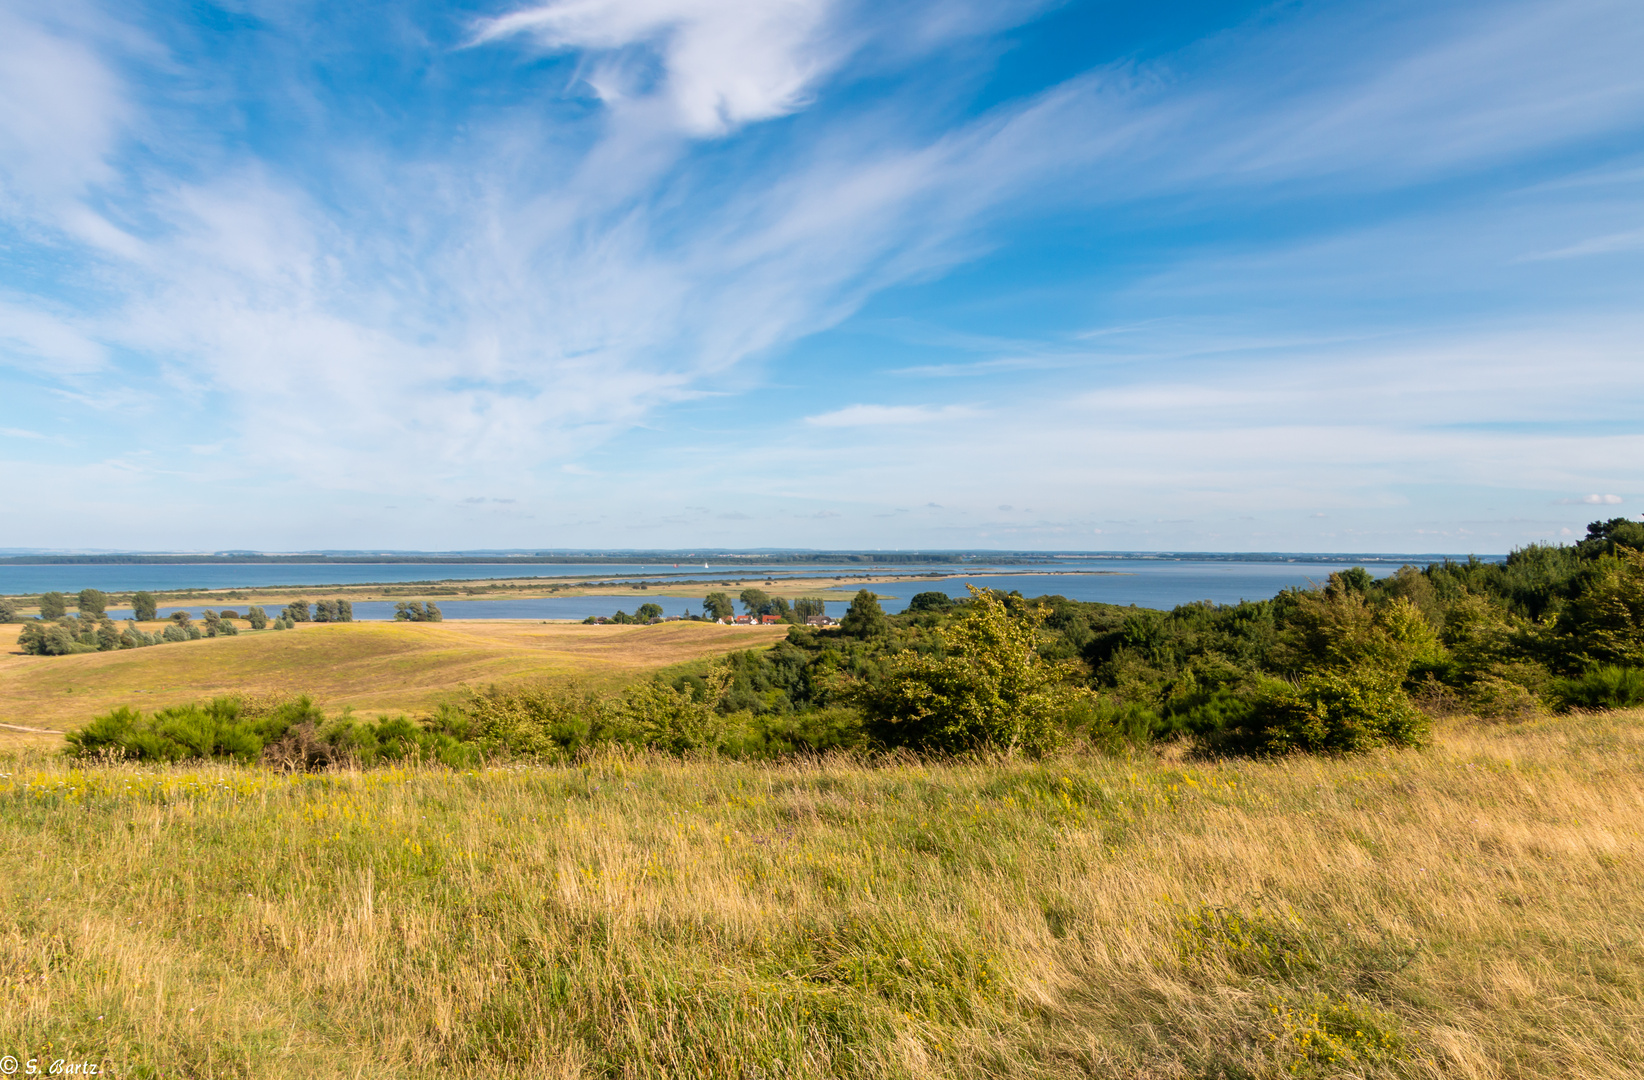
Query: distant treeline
[(818, 558)]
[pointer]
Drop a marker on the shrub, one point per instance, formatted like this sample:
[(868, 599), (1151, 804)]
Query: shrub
[(257, 617), (1604, 687), (1331, 712), (292, 734), (988, 689)]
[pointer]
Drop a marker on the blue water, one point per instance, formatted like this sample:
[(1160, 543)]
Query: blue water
[(1143, 582), (22, 580)]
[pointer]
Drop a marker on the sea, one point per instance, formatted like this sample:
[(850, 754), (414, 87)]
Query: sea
[(1144, 582)]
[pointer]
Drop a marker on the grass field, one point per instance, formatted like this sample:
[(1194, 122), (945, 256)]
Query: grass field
[(394, 667), (1471, 910)]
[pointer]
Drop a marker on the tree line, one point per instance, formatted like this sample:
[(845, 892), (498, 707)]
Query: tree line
[(90, 629)]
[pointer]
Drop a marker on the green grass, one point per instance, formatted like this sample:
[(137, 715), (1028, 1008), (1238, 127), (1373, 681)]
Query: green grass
[(1472, 909)]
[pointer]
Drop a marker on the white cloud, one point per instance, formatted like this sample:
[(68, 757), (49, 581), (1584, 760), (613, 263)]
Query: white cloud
[(889, 415), (726, 62), (1602, 500), (40, 341)]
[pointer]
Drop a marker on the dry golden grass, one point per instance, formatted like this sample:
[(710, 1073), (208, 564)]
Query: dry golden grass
[(394, 667), (1472, 910)]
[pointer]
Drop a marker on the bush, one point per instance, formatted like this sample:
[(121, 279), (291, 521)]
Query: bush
[(291, 735), (1330, 712), (1605, 687), (989, 687), (257, 617)]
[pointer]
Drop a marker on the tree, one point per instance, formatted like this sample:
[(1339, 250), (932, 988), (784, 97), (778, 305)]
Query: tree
[(182, 619), (807, 606), (345, 611), (325, 611), (297, 611), (213, 622), (53, 605), (647, 612), (416, 611), (143, 607), (1605, 537), (930, 601), (257, 617), (1605, 623), (989, 688), (718, 605), (8, 610), (49, 639), (866, 618), (754, 600), (92, 602)]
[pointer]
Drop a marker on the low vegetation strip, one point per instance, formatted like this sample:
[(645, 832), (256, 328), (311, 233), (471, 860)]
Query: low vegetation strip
[(1471, 909), (389, 667)]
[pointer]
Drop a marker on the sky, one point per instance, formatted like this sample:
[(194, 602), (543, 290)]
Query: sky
[(669, 274)]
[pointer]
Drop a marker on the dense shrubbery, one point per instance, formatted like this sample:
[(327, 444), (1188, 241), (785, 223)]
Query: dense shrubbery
[(290, 734)]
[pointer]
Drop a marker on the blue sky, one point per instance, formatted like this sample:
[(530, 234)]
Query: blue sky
[(819, 273)]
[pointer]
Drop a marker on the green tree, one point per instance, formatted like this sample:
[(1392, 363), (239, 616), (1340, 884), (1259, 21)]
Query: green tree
[(257, 617), (718, 605), (647, 612), (1604, 624), (213, 622), (930, 601), (754, 600), (8, 610), (182, 619), (53, 605), (865, 618), (345, 611), (325, 611), (988, 688), (808, 606), (92, 602), (49, 639), (297, 611), (143, 607)]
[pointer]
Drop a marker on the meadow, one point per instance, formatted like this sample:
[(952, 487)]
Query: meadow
[(369, 666), (1472, 909)]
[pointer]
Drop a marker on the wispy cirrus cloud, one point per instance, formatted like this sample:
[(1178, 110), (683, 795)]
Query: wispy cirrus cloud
[(890, 415)]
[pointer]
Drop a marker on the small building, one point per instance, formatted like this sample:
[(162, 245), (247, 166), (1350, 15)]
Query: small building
[(821, 620)]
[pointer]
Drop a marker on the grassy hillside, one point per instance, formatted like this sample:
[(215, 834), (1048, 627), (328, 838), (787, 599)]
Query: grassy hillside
[(1471, 910), (369, 665)]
